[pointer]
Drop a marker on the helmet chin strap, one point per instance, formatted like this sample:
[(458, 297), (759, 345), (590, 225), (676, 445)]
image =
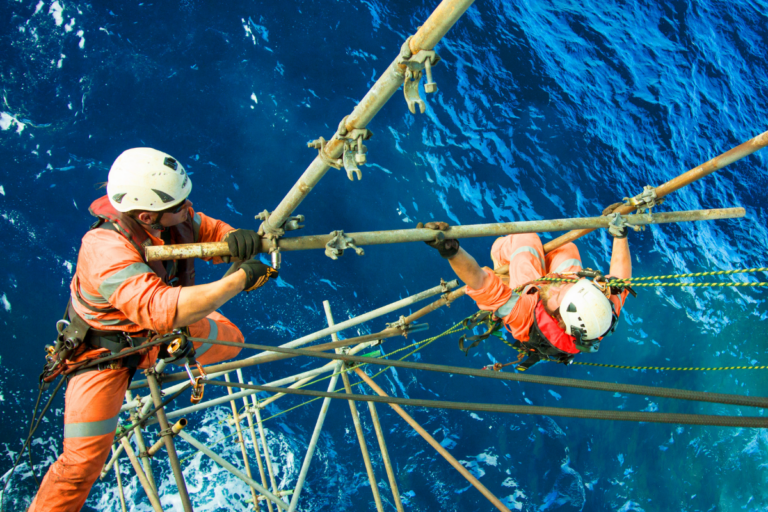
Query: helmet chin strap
[(157, 226)]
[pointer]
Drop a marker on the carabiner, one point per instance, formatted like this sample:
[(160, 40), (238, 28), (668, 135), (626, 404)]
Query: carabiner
[(198, 383)]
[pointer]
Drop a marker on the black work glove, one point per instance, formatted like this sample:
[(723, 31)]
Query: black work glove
[(243, 243), (257, 273), (617, 227), (446, 247), (618, 232)]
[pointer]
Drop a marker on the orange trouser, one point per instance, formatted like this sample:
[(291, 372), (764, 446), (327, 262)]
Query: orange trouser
[(526, 259), (91, 411)]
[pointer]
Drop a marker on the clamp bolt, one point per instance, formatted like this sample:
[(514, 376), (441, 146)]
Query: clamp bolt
[(430, 86)]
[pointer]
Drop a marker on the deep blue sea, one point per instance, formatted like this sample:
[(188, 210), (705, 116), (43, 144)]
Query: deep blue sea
[(545, 110)]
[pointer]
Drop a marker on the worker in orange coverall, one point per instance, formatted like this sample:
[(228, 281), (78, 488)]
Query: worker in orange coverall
[(121, 300), (551, 321)]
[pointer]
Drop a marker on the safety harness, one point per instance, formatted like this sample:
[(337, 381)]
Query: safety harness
[(76, 335), (547, 340)]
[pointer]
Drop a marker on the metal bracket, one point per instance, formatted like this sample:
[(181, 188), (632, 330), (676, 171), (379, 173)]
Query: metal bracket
[(445, 290), (618, 222), (645, 200), (400, 324), (292, 223), (354, 149), (338, 243), (423, 60), (319, 145), (167, 432)]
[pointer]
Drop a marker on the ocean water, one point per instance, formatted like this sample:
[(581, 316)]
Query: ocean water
[(544, 110)]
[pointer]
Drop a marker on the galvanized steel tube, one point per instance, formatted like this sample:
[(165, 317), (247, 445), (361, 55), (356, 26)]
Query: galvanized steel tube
[(175, 429), (264, 447), (302, 243), (249, 417), (240, 438), (145, 460), (219, 369), (173, 458), (232, 469), (154, 500), (434, 28), (313, 443), (356, 419), (120, 491), (222, 400), (437, 446), (705, 169), (385, 457)]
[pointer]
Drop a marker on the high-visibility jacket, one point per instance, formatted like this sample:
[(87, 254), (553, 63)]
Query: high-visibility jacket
[(115, 289)]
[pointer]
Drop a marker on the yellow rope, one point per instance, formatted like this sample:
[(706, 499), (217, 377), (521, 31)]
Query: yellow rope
[(633, 281), (700, 274), (659, 368), (619, 282), (664, 368)]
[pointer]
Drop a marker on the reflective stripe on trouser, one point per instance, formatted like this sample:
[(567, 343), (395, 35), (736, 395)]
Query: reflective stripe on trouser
[(524, 254), (215, 326), (92, 407), (564, 259)]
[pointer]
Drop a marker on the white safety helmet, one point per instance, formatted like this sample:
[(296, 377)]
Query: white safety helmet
[(586, 311), (147, 179)]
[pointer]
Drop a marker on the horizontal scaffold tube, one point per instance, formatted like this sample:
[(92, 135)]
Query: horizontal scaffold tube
[(211, 249), (681, 394), (648, 417)]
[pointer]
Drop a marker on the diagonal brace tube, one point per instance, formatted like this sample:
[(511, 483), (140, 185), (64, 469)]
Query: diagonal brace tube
[(232, 469)]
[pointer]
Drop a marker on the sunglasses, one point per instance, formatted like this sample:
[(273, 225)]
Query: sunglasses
[(176, 209)]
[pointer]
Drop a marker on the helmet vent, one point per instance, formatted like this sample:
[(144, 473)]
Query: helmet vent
[(572, 308), (163, 196), (170, 162), (118, 197)]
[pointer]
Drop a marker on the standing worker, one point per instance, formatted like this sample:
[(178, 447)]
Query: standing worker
[(551, 321), (118, 300)]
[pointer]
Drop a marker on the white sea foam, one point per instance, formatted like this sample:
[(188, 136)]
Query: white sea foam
[(7, 121), (56, 11)]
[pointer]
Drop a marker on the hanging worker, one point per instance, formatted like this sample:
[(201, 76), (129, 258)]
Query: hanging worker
[(120, 299), (551, 321)]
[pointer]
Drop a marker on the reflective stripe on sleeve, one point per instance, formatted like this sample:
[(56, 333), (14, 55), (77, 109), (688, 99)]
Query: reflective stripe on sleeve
[(115, 322), (113, 282), (96, 299), (211, 335), (528, 248), (90, 428), (567, 263), (508, 306)]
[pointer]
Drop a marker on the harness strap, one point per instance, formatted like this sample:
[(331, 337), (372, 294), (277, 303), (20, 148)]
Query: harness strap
[(478, 318), (113, 341)]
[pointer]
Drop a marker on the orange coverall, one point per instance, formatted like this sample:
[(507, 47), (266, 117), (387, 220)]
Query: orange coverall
[(110, 271), (526, 259)]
